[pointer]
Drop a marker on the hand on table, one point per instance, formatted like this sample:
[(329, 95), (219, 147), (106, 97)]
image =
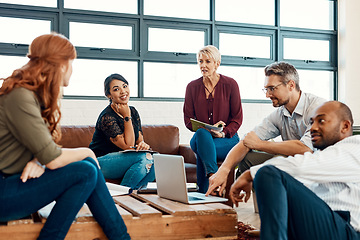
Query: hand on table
[(217, 183)]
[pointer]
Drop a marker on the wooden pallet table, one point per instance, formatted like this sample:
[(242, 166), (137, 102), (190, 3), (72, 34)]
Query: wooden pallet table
[(146, 216)]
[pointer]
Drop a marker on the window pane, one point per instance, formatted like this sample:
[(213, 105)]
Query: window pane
[(100, 35), (244, 45), (306, 49), (9, 64), (171, 82), (198, 9), (43, 3), (170, 40), (315, 14), (120, 6), (87, 82), (245, 11), (250, 80), (26, 29), (319, 83)]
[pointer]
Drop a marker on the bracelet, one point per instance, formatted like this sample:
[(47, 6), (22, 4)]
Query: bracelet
[(222, 134)]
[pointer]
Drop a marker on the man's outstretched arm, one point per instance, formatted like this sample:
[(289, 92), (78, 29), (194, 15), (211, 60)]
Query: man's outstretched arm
[(287, 148), (217, 182)]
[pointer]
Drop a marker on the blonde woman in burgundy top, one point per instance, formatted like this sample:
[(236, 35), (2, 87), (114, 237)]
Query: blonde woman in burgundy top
[(213, 99)]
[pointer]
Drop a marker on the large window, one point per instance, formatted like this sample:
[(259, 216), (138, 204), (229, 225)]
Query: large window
[(153, 43)]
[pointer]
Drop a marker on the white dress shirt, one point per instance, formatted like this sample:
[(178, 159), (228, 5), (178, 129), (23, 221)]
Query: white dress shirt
[(333, 174), (295, 126)]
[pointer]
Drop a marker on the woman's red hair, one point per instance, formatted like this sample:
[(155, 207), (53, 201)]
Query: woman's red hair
[(43, 75)]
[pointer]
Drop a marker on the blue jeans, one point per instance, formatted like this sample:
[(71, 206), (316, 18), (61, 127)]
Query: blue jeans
[(135, 169), (70, 186), (208, 151), (289, 210)]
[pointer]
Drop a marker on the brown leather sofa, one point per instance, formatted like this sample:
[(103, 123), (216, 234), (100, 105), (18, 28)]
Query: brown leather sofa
[(162, 138)]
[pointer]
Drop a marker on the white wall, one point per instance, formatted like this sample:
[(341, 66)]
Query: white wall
[(349, 55), (86, 111), (77, 112)]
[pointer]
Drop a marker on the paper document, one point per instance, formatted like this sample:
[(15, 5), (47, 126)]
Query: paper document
[(117, 190)]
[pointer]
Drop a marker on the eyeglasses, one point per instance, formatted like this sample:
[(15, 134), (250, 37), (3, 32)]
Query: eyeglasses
[(271, 89)]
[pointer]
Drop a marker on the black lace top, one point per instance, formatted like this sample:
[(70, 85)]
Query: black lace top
[(109, 125)]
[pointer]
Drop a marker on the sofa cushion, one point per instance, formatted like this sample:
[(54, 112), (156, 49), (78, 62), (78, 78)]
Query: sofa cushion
[(74, 136), (162, 138)]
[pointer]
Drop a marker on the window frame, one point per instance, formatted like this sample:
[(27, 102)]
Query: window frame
[(60, 18)]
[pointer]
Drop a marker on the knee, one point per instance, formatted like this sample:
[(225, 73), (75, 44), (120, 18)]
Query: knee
[(147, 164), (201, 136), (201, 132), (88, 169), (90, 160), (265, 174)]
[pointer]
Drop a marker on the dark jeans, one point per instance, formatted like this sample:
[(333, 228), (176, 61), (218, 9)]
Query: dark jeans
[(252, 158), (208, 150), (70, 186), (289, 210)]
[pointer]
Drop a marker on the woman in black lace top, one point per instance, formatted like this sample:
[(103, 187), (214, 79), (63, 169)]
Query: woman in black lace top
[(118, 128)]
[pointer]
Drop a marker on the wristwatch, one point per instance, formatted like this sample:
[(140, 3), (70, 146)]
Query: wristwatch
[(126, 119)]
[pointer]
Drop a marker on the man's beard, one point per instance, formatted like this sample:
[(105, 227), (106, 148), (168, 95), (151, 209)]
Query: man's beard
[(278, 103)]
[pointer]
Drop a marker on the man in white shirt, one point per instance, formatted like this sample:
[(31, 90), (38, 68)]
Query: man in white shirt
[(291, 121), (314, 195)]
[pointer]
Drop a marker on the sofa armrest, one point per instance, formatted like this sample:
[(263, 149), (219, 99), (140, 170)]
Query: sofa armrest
[(188, 154)]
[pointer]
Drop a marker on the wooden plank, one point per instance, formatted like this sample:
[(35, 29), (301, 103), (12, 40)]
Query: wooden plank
[(221, 208), (136, 207), (21, 221), (203, 221), (181, 209), (164, 228), (183, 227), (124, 214), (78, 231), (20, 231), (85, 231)]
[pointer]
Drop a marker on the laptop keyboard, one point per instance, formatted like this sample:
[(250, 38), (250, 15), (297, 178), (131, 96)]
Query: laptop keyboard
[(194, 198)]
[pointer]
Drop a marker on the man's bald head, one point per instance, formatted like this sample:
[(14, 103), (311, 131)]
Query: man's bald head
[(331, 123)]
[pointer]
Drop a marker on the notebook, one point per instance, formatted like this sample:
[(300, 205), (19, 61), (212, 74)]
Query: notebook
[(196, 124), (171, 181)]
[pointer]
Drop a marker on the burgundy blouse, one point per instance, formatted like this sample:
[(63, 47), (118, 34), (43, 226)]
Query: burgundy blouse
[(225, 105)]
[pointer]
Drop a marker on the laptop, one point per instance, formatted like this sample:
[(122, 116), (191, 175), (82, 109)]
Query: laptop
[(171, 181)]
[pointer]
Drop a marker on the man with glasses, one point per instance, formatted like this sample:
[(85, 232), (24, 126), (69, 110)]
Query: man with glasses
[(291, 121)]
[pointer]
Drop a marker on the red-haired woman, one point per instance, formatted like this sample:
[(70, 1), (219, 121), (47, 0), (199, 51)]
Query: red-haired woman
[(34, 170)]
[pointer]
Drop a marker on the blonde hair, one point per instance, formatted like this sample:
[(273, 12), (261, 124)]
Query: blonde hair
[(43, 75), (211, 52)]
